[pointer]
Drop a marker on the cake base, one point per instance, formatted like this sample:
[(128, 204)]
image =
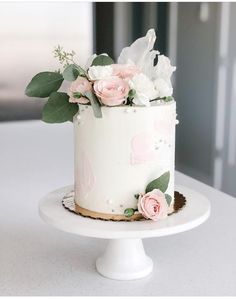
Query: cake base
[(69, 203), (117, 262), (104, 216)]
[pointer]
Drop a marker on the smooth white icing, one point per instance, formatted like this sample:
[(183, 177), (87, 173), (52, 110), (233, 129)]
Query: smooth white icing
[(116, 156)]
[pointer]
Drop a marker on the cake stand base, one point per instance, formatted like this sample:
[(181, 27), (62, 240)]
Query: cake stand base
[(124, 257)]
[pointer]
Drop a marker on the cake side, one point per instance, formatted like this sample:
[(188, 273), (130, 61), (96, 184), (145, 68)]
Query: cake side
[(118, 155)]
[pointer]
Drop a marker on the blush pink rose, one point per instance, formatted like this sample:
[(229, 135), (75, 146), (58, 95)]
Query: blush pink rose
[(80, 85), (125, 71), (112, 91), (153, 205)]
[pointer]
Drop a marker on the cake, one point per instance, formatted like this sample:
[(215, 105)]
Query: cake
[(124, 151), (124, 120)]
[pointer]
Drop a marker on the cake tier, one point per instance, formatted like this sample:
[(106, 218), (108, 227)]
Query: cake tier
[(116, 156)]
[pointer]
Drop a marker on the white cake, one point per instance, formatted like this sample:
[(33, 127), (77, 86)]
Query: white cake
[(124, 118), (116, 156)]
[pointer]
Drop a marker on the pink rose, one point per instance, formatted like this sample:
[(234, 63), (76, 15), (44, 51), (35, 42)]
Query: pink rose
[(153, 205), (125, 71), (112, 91), (80, 85)]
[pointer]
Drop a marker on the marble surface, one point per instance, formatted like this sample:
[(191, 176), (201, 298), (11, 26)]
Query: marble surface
[(36, 259)]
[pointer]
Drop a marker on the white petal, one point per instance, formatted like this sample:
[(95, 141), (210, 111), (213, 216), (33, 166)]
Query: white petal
[(163, 69), (163, 88), (138, 52), (89, 61), (141, 99), (100, 72)]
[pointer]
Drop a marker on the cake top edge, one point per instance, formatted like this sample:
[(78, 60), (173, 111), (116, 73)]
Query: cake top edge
[(136, 107)]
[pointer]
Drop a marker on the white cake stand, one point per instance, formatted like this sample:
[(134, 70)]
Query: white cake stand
[(124, 257)]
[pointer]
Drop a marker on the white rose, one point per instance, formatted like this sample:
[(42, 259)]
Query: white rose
[(100, 72), (163, 69), (144, 88), (163, 88)]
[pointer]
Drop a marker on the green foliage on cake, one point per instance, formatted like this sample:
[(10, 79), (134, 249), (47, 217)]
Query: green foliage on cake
[(135, 79), (58, 109), (160, 183)]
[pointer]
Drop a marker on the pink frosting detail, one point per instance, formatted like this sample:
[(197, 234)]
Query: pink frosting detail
[(85, 178), (153, 205), (143, 148)]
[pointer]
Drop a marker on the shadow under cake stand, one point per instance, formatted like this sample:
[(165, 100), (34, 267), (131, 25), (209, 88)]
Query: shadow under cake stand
[(124, 257)]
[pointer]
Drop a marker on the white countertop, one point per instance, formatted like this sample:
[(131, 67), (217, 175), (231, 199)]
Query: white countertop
[(36, 259)]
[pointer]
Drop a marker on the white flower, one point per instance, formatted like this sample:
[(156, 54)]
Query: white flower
[(163, 88), (144, 88), (140, 53), (90, 60), (163, 68), (100, 72)]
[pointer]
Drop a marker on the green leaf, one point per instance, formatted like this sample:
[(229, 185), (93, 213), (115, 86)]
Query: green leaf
[(102, 60), (94, 103), (168, 199), (77, 95), (128, 212), (168, 99), (72, 72), (160, 183), (43, 84), (132, 93), (58, 109)]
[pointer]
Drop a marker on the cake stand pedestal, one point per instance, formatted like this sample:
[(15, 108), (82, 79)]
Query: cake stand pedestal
[(124, 257)]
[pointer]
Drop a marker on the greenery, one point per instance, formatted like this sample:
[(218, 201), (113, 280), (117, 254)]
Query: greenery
[(58, 109), (160, 183), (129, 212), (95, 104), (102, 60), (72, 71), (43, 84), (65, 58), (168, 199), (46, 84), (168, 99)]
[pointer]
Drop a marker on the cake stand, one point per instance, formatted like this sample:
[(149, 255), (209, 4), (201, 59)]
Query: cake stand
[(124, 257)]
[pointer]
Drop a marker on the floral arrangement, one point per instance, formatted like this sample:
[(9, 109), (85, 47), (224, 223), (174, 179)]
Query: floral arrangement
[(154, 204), (134, 80)]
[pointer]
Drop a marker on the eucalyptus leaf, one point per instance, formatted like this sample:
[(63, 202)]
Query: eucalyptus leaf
[(102, 60), (168, 199), (129, 212), (43, 84), (132, 93), (94, 103), (160, 183), (58, 109), (168, 99), (72, 72)]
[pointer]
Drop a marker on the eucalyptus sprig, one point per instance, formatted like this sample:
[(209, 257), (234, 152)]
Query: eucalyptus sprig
[(65, 58)]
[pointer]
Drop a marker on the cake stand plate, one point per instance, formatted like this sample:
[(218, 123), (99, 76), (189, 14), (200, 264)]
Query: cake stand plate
[(124, 257)]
